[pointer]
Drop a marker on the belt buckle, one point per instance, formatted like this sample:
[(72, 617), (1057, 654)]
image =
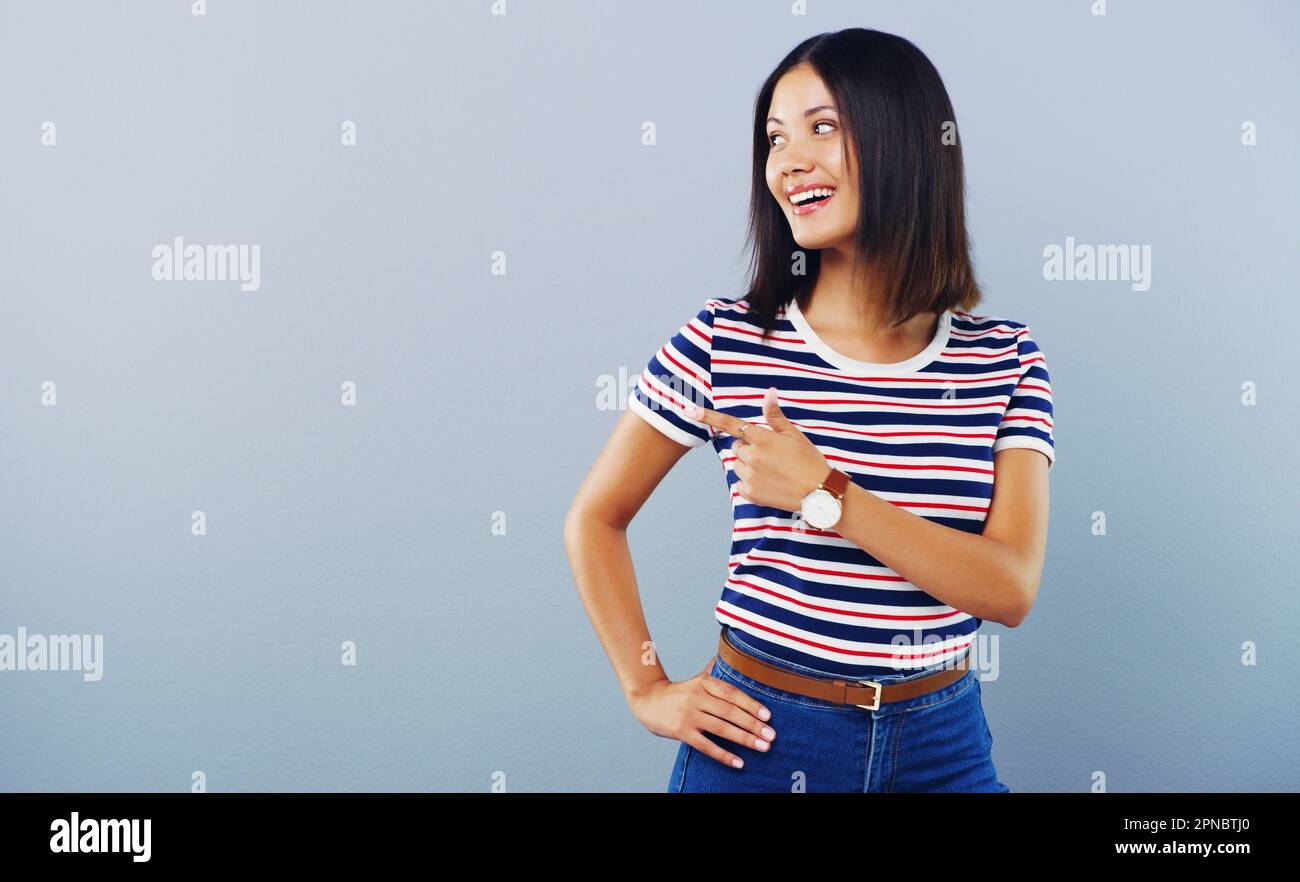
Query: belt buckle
[(879, 689)]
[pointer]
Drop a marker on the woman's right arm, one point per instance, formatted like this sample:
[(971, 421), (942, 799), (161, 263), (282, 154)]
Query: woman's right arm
[(635, 459)]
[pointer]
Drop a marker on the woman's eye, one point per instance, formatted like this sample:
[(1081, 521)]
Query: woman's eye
[(771, 137)]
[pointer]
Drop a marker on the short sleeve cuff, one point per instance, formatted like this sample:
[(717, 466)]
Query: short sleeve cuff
[(1028, 441), (665, 422)]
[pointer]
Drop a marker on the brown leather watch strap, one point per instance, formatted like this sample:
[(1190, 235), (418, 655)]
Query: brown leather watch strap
[(836, 482), (846, 692)]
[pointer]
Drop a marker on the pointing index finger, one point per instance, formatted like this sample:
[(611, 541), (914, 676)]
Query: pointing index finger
[(723, 422)]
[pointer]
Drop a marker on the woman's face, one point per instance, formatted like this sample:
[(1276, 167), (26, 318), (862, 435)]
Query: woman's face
[(805, 144)]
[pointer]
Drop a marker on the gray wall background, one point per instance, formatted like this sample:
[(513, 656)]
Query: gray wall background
[(479, 393)]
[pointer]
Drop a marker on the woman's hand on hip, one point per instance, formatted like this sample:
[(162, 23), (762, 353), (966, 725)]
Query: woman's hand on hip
[(684, 711)]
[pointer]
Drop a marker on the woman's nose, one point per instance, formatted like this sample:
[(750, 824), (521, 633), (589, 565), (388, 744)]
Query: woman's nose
[(795, 159)]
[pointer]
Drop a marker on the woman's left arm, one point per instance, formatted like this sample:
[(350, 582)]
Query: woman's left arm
[(993, 575)]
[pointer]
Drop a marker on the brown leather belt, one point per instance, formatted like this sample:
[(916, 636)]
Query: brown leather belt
[(866, 694)]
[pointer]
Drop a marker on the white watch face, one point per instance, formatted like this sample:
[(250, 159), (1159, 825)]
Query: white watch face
[(821, 509)]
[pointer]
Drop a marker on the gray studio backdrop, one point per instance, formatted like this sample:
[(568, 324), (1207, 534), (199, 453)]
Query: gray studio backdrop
[(462, 242)]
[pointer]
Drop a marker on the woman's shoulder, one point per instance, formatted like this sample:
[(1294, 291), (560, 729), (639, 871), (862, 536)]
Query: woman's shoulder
[(988, 328), (998, 332), (984, 321), (739, 311), (737, 305), (728, 312)]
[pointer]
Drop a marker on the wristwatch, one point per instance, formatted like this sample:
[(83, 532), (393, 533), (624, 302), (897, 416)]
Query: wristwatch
[(822, 507)]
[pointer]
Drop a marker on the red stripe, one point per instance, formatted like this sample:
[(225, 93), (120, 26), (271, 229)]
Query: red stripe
[(785, 365), (787, 400), (929, 617), (943, 354), (758, 335), (663, 354), (781, 528), (865, 577), (707, 338), (901, 504), (654, 391), (1001, 355), (932, 434), (899, 466), (1029, 419), (975, 335), (804, 426), (858, 652)]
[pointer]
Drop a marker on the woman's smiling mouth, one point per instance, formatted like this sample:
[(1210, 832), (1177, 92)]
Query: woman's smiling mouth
[(806, 199)]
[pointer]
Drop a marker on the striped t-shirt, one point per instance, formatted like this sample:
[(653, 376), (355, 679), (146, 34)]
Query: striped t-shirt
[(919, 433)]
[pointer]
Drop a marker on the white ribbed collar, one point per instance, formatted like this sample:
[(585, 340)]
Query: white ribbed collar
[(920, 360)]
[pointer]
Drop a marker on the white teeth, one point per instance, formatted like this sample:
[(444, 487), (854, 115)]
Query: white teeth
[(800, 198)]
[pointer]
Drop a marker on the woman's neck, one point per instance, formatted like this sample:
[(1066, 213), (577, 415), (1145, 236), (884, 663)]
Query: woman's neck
[(857, 311)]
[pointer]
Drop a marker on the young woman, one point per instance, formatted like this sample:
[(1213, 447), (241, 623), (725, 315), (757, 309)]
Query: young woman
[(863, 417)]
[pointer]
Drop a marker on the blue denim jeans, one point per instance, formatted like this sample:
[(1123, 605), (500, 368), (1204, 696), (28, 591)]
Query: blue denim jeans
[(935, 743)]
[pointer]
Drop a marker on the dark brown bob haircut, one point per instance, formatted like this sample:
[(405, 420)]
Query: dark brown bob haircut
[(902, 136)]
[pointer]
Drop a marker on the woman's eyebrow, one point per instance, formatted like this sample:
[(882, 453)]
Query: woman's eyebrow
[(809, 112)]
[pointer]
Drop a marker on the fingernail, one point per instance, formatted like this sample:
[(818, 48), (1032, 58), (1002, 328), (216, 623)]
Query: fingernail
[(768, 733), (738, 762), (760, 744), (764, 714), (692, 410)]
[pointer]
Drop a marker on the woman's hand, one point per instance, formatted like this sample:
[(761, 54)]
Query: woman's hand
[(685, 711), (777, 465)]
